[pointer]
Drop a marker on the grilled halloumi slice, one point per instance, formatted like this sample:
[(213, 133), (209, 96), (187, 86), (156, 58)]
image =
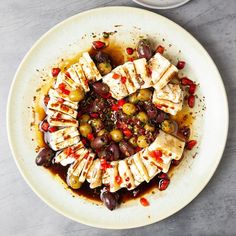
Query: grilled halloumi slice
[(126, 175), (53, 104), (145, 79), (83, 80), (63, 79), (53, 94), (59, 119), (158, 66), (138, 178), (65, 154), (114, 186), (166, 105), (113, 80), (74, 76), (64, 144), (87, 165), (91, 63), (94, 176), (140, 166), (168, 145), (166, 78), (56, 94), (62, 134), (171, 92), (132, 84)]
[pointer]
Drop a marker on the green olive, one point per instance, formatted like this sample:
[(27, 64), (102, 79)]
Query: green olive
[(142, 116), (102, 132), (96, 124), (133, 98), (85, 129), (149, 127), (142, 141), (104, 68), (84, 118), (144, 95), (167, 126), (133, 141), (116, 135), (73, 182), (129, 108), (77, 95)]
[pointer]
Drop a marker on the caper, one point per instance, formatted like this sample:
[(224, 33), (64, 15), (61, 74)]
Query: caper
[(116, 135), (84, 118), (129, 108), (77, 95), (133, 141), (85, 129), (149, 127), (73, 182), (144, 95), (142, 141), (133, 98), (167, 126), (142, 116), (104, 68)]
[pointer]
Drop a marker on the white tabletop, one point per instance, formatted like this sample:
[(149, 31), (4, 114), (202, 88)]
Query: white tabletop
[(213, 212)]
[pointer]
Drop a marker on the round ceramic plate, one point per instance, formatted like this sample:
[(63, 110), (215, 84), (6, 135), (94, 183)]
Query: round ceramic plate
[(76, 34), (161, 4)]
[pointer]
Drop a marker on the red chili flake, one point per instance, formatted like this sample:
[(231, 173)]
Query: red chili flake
[(44, 126), (144, 201), (180, 65), (107, 95), (68, 151), (68, 74), (55, 71), (115, 76), (90, 137), (163, 184), (160, 49), (115, 107), (192, 88), (118, 179), (129, 51), (127, 133), (121, 102), (190, 144), (104, 164), (52, 129), (123, 79), (83, 140), (94, 115), (46, 100), (191, 101), (98, 45), (157, 154), (186, 81)]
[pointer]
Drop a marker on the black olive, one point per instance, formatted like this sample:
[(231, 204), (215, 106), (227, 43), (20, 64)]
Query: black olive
[(98, 105), (126, 148), (99, 142), (109, 199), (100, 88), (113, 152), (102, 57), (144, 49), (44, 157)]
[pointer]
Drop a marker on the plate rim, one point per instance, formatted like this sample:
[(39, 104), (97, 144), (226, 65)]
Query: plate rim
[(99, 225)]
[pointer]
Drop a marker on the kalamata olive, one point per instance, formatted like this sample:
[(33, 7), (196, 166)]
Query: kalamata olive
[(102, 57), (113, 152), (99, 142), (109, 199), (44, 157), (144, 49), (126, 148), (97, 106), (104, 68), (151, 112), (160, 117), (184, 133), (100, 88)]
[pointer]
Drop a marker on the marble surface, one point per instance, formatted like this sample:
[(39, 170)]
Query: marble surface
[(213, 212)]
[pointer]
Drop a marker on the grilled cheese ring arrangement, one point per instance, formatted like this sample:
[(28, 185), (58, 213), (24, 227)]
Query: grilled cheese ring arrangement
[(110, 126)]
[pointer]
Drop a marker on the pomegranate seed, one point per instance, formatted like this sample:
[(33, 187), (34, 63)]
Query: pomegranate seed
[(55, 71), (157, 154), (191, 101), (180, 65), (66, 91), (160, 49), (186, 81), (46, 100), (44, 126), (52, 129), (69, 151), (144, 201), (94, 115), (118, 179), (163, 184), (90, 137), (115, 76), (127, 133), (121, 102), (131, 59), (190, 144), (129, 51), (98, 45), (123, 79), (61, 86), (163, 176), (114, 107), (192, 88)]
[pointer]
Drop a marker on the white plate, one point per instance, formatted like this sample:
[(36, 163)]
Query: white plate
[(161, 4), (189, 178)]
